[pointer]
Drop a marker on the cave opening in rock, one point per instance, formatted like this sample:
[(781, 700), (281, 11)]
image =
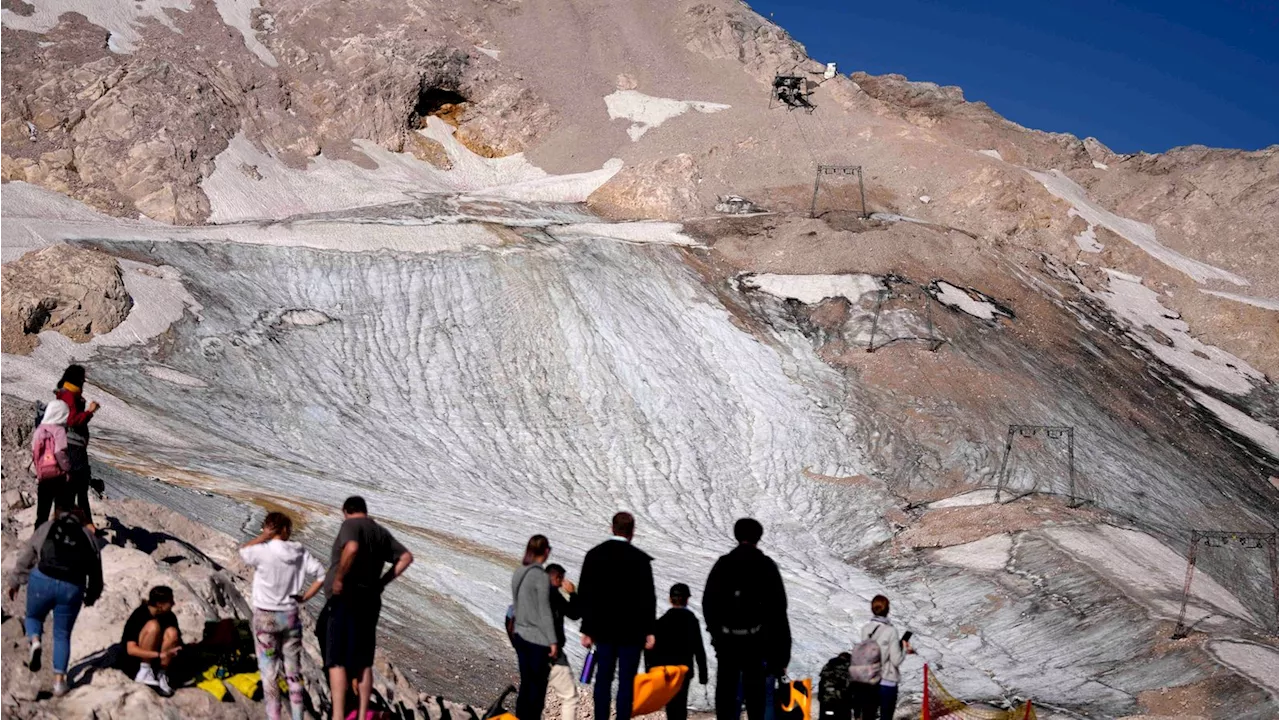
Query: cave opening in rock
[(448, 105)]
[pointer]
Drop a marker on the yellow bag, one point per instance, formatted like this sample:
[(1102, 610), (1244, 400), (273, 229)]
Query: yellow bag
[(214, 687), (792, 699), (654, 689), (249, 684)]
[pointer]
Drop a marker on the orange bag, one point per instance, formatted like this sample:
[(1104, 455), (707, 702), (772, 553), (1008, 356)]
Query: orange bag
[(792, 699), (654, 689)]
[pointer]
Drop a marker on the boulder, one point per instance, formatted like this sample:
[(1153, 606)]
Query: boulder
[(665, 189), (75, 291)]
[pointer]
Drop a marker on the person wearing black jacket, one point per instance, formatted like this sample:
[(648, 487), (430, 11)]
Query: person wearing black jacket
[(677, 640), (745, 606), (618, 604), (564, 604)]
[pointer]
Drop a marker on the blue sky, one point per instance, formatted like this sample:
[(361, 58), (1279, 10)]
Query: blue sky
[(1136, 74)]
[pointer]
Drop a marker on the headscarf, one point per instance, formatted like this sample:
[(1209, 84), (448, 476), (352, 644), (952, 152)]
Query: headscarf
[(56, 413)]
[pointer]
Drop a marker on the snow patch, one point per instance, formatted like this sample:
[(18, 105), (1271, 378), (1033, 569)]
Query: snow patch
[(1264, 303), (813, 289), (1087, 239), (329, 185), (1138, 233), (991, 153), (647, 112), (1257, 662), (991, 553), (1267, 437), (1100, 166), (960, 299), (1168, 337), (491, 52), (121, 19), (1146, 570), (239, 15)]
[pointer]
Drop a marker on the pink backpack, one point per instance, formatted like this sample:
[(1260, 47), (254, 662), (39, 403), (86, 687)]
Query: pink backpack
[(44, 456)]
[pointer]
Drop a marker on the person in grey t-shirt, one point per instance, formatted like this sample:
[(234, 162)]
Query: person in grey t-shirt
[(348, 625), (535, 629)]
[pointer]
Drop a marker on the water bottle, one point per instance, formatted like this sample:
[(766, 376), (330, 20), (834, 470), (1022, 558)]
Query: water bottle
[(588, 668)]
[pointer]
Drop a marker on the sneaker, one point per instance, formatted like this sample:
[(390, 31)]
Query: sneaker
[(146, 675), (33, 656), (61, 687), (162, 684)]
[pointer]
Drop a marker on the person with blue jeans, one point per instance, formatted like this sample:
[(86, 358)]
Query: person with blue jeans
[(883, 700), (618, 613), (62, 570)]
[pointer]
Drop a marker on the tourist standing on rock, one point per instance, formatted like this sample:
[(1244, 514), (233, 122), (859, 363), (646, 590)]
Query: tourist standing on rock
[(677, 640), (281, 570), (745, 606), (50, 460), (151, 640), (564, 604), (71, 391), (880, 695), (618, 606), (534, 633), (348, 625), (62, 570)]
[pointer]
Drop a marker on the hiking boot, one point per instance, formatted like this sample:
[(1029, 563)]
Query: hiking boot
[(162, 684), (33, 656), (61, 687)]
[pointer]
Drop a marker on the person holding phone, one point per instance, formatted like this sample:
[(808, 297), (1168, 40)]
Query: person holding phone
[(281, 569), (882, 700)]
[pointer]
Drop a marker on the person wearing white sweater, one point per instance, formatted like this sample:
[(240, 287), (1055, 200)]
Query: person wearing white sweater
[(892, 651), (281, 569)]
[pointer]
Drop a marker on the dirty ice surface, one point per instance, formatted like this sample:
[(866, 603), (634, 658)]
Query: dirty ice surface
[(960, 299), (1138, 233), (647, 112)]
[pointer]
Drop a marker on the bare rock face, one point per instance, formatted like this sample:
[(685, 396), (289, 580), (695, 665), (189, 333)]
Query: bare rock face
[(503, 119), (77, 292), (762, 47), (665, 189)]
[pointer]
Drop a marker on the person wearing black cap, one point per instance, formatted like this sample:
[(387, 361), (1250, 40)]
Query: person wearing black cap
[(151, 640), (745, 606), (677, 640)]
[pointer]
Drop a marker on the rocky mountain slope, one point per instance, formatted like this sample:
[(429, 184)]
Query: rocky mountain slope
[(337, 224)]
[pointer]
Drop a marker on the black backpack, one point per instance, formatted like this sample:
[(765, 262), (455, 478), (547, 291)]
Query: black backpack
[(833, 683), (67, 551), (744, 608)]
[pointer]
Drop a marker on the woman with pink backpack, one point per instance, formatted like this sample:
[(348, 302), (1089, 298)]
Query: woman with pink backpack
[(50, 460)]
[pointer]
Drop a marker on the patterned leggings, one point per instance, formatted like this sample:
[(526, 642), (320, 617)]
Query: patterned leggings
[(277, 634)]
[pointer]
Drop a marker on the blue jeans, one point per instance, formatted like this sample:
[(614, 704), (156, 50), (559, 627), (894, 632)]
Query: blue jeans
[(535, 668), (64, 599), (888, 701), (626, 660)]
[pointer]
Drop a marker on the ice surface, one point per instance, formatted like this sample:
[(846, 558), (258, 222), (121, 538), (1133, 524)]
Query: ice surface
[(991, 153), (1087, 239), (985, 496), (1147, 571), (813, 289), (1138, 233), (1206, 365), (1256, 661), (239, 15), (647, 112)]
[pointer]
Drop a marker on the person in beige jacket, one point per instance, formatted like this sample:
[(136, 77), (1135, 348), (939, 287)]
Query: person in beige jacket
[(892, 651)]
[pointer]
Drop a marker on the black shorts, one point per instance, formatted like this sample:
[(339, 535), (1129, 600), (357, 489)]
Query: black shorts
[(347, 630)]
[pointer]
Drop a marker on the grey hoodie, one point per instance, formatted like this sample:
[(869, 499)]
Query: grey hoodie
[(531, 595)]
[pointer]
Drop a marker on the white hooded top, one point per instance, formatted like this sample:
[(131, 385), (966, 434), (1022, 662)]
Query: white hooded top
[(281, 570), (56, 413)]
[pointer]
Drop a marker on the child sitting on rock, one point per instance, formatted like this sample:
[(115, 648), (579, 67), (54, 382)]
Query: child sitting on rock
[(151, 640)]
